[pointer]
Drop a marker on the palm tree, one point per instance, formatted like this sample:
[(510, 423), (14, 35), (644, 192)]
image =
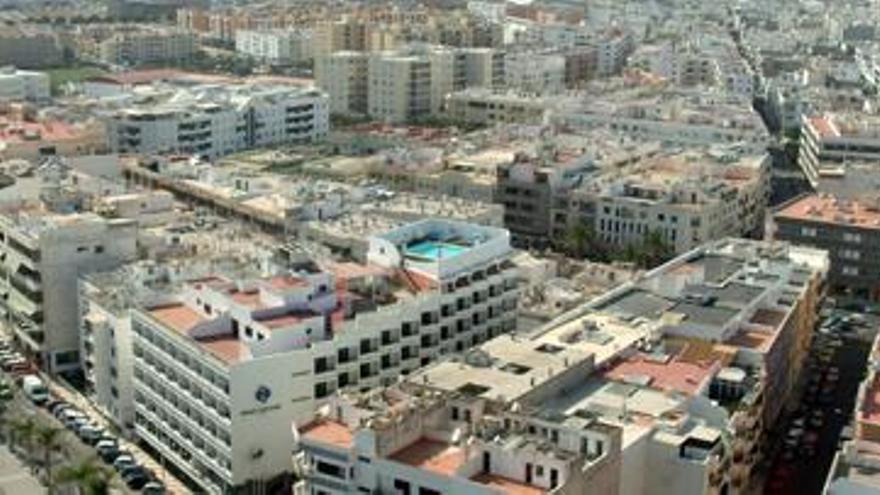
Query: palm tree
[(581, 242), (22, 432), (89, 477), (49, 438)]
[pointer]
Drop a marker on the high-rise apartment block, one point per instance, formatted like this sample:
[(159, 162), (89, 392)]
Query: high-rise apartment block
[(276, 46)]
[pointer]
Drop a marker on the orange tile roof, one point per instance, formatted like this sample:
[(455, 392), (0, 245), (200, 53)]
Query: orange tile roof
[(15, 131), (431, 455), (827, 209), (681, 376), (328, 432), (177, 316), (226, 347), (507, 485), (285, 282), (250, 298), (824, 127)]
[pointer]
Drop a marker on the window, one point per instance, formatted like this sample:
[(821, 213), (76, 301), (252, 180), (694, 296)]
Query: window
[(808, 231), (850, 254), (428, 491), (850, 271), (402, 487), (850, 237), (330, 469), (539, 470)]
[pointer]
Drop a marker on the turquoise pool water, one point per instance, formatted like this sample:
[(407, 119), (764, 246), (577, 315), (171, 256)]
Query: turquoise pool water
[(434, 250)]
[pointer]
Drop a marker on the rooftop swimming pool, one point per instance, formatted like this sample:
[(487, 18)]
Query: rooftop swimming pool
[(434, 250)]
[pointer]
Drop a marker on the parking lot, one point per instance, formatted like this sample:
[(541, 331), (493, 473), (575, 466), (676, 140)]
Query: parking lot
[(804, 445), (83, 436)]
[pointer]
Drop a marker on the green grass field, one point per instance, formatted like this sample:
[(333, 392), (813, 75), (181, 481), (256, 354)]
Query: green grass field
[(59, 77)]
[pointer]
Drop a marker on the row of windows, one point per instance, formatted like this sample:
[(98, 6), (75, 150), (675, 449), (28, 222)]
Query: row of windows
[(178, 379), (161, 435), (194, 414), (179, 355)]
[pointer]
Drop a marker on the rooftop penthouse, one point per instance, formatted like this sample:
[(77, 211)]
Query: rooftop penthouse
[(440, 249)]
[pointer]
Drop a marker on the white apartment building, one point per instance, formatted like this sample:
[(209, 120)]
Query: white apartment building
[(688, 199), (344, 77), (410, 83), (223, 367), (829, 141), (23, 85), (211, 121), (404, 86), (620, 396), (488, 107), (674, 116), (148, 46), (276, 46), (535, 72), (43, 255)]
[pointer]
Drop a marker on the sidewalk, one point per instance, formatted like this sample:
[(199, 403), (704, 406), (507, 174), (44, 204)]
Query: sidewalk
[(15, 478), (173, 485)]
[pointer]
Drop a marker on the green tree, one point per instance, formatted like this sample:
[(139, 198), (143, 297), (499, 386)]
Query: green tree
[(89, 477), (23, 433), (581, 242)]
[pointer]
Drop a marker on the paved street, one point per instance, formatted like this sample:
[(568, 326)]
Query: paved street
[(15, 478), (803, 469)]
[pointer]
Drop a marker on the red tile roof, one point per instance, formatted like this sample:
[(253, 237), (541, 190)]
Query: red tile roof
[(827, 209), (227, 348), (328, 432), (431, 455), (685, 377), (286, 282), (177, 316)]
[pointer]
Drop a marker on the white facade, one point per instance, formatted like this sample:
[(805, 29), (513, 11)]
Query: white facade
[(275, 46), (211, 121), (538, 73), (205, 358), (44, 256), (23, 85), (344, 77), (148, 46)]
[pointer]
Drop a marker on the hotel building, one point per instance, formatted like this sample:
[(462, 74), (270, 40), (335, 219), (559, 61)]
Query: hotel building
[(222, 367)]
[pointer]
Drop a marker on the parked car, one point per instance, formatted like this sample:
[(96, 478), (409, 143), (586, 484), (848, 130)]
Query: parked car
[(90, 433), (108, 450), (153, 488), (123, 460), (34, 389), (135, 476)]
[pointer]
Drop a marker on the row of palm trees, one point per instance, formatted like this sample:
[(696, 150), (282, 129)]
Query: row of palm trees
[(582, 242), (39, 443)]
